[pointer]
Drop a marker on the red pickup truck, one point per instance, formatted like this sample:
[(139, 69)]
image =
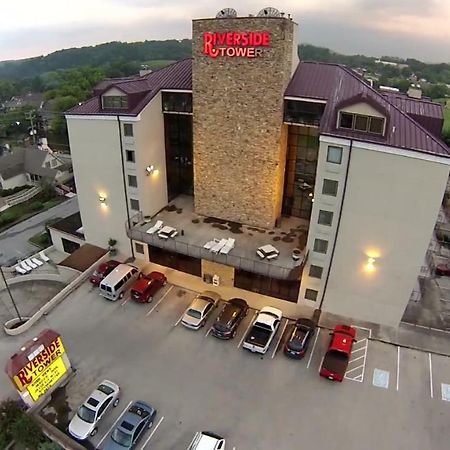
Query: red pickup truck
[(338, 354)]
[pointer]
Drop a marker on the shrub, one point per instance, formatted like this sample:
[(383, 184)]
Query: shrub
[(25, 431), (8, 217), (36, 206), (10, 412), (49, 446), (7, 192)]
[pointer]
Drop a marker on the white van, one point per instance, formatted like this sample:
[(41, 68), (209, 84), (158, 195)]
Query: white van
[(205, 440), (114, 285)]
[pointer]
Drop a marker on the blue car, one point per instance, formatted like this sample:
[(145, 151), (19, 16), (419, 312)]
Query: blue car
[(139, 417)]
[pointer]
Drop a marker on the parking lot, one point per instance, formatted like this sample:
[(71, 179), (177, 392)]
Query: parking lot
[(391, 397)]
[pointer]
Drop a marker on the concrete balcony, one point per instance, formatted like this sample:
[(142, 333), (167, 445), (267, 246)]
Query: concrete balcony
[(195, 230)]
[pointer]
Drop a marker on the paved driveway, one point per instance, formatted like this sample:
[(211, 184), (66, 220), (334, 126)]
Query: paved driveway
[(395, 397), (14, 243)]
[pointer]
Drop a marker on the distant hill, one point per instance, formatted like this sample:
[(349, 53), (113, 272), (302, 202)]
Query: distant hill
[(96, 56)]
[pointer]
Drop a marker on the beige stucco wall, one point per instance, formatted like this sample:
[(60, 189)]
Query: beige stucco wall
[(239, 144), (97, 165), (364, 109), (150, 150), (225, 273), (389, 211)]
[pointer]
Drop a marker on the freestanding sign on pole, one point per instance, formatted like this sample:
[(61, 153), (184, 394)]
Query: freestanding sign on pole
[(39, 367)]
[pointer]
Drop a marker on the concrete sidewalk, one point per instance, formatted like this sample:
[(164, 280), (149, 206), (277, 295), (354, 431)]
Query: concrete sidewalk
[(405, 335)]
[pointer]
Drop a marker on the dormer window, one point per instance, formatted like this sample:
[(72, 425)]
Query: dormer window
[(359, 122), (115, 101)]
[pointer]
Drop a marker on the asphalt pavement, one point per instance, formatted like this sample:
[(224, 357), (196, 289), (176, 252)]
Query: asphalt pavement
[(14, 243)]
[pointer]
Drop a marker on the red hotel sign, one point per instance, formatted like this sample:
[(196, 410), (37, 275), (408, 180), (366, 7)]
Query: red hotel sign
[(235, 43)]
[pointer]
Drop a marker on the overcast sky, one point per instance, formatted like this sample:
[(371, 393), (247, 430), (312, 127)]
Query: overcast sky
[(406, 28)]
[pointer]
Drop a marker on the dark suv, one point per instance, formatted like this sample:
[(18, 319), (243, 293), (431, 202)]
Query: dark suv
[(229, 318)]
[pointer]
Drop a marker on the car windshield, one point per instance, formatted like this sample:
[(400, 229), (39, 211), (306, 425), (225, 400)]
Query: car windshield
[(86, 414), (194, 313), (121, 438)]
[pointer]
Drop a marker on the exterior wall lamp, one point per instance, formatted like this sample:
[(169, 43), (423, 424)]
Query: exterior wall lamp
[(370, 265), (149, 170), (102, 200)]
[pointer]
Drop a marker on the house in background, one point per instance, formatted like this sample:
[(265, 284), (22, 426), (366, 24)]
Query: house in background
[(30, 166)]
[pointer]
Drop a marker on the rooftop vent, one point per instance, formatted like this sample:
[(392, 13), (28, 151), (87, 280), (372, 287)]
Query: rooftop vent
[(226, 13), (269, 12)]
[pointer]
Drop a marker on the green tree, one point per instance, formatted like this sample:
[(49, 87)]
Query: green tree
[(7, 90), (26, 432), (10, 412), (49, 446)]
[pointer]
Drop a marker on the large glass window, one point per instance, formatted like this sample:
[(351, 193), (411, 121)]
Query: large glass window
[(300, 175), (359, 122), (177, 261), (115, 101), (307, 113), (177, 102), (284, 289)]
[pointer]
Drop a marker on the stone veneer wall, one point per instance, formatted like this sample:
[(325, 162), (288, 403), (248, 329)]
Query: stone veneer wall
[(239, 136)]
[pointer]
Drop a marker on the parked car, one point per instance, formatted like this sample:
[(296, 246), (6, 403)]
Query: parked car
[(205, 440), (226, 324), (114, 285), (263, 330), (299, 338), (201, 307), (139, 417), (102, 270), (84, 422), (336, 358), (443, 269), (145, 288)]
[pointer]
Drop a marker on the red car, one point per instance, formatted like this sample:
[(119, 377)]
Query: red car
[(102, 270), (145, 288), (443, 269), (336, 358)]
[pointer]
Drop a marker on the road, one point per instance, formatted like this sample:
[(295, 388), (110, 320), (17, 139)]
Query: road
[(14, 241)]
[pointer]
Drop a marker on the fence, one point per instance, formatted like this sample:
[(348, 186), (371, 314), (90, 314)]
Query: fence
[(288, 270), (22, 196)]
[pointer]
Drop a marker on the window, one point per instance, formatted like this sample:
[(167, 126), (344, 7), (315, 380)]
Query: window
[(315, 271), (139, 248), (334, 154), (132, 181), (115, 101), (130, 156), (320, 246), (134, 204), (47, 164), (53, 163), (330, 187), (325, 218), (361, 123), (311, 294), (346, 120), (376, 125), (128, 129)]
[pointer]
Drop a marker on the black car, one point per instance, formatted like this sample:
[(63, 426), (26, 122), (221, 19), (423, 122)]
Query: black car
[(299, 338), (229, 318)]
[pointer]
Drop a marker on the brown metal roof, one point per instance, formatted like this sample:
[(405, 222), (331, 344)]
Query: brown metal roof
[(336, 84), (84, 257), (175, 76)]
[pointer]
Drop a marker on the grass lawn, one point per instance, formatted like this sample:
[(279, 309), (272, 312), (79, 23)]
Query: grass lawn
[(24, 210), (40, 240)]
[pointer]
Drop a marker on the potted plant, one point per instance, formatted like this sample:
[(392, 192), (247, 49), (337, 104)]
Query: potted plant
[(111, 243), (296, 254)]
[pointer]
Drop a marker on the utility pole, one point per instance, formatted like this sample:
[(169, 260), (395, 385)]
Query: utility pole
[(33, 130), (9, 292)]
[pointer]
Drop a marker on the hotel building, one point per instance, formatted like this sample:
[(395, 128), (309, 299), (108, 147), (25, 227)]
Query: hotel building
[(245, 142)]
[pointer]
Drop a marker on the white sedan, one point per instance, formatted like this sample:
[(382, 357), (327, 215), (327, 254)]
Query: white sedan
[(84, 422)]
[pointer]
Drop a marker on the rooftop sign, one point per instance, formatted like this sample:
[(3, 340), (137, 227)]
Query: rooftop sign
[(244, 44)]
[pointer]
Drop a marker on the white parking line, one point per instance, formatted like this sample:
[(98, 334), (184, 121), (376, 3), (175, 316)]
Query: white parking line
[(125, 301), (431, 375), (159, 301), (209, 331), (248, 328), (182, 315), (153, 432), (398, 366), (113, 425), (190, 445), (313, 347), (281, 337), (359, 376)]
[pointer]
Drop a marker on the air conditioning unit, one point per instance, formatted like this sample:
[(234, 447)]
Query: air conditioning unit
[(207, 278)]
